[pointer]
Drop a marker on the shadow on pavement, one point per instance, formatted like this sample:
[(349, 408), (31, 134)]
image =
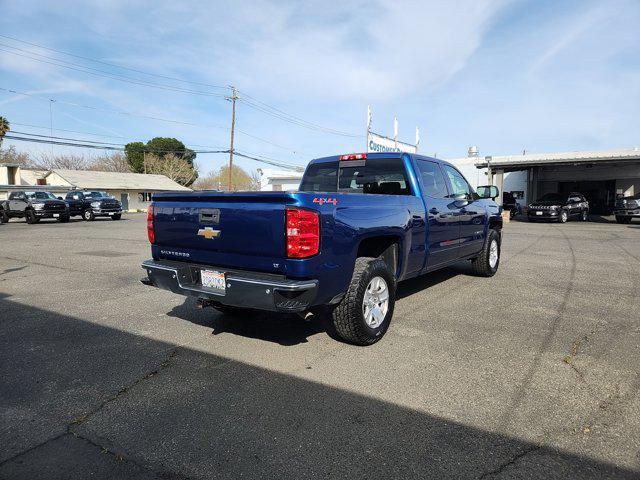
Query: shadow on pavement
[(283, 329), (80, 400), (288, 330)]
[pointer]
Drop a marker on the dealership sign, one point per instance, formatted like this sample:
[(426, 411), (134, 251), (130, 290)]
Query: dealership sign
[(380, 143)]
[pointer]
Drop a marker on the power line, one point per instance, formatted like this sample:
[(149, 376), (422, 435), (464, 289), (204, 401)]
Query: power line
[(70, 142), (269, 162), (68, 131), (166, 77), (277, 113), (64, 138), (250, 101), (102, 73), (42, 127), (149, 117)]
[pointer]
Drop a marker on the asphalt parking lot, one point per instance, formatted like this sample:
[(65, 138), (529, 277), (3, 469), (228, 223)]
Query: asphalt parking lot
[(533, 373)]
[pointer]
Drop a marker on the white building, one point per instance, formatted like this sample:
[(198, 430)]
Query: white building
[(279, 180), (601, 176), (134, 190)]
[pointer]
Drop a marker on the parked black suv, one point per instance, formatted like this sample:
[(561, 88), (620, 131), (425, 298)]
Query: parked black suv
[(559, 207), (33, 206), (91, 204), (510, 204), (627, 208)]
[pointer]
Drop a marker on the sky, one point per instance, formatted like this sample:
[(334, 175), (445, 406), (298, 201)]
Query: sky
[(506, 76)]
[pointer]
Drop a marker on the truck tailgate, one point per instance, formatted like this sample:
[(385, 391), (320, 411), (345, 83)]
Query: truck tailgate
[(251, 224)]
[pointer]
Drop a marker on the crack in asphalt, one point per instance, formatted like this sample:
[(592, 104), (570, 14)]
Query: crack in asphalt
[(512, 461), (83, 418), (521, 392)]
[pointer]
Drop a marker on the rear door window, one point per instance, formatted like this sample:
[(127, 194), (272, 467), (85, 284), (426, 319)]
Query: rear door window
[(432, 179), (385, 176)]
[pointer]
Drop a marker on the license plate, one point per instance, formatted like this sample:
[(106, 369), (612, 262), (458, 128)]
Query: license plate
[(110, 213), (56, 215), (213, 279), (538, 213)]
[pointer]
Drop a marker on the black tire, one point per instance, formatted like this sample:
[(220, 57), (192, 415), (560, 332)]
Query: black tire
[(4, 218), (348, 317), (117, 216), (584, 215), (30, 217), (482, 264), (623, 220), (88, 215), (563, 217), (63, 219)]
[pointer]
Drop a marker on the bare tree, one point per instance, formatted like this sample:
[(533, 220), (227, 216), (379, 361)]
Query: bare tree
[(170, 165), (111, 162), (11, 155), (218, 180), (67, 161)]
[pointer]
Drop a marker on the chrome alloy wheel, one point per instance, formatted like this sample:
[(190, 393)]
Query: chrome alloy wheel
[(493, 254), (375, 302)]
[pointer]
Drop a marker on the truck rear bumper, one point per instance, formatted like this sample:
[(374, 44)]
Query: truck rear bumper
[(243, 289)]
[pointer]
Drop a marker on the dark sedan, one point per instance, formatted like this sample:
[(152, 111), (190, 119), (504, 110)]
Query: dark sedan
[(559, 207)]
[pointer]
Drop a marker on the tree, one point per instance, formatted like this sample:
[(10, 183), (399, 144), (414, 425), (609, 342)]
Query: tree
[(67, 161), (134, 153), (11, 155), (162, 146), (159, 147), (4, 128), (172, 166), (219, 179), (111, 162)]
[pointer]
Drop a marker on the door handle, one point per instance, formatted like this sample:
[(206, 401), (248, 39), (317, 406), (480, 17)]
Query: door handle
[(434, 211)]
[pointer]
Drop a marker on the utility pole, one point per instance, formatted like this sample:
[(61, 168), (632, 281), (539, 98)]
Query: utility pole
[(233, 98)]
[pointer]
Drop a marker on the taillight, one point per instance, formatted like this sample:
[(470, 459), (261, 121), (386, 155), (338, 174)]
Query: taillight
[(303, 233), (150, 232), (354, 156)]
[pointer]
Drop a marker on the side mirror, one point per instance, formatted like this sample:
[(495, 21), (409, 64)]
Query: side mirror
[(488, 191)]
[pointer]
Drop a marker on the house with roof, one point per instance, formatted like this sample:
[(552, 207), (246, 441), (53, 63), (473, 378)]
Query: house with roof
[(134, 190)]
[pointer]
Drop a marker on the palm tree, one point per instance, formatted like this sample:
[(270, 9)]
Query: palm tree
[(4, 128)]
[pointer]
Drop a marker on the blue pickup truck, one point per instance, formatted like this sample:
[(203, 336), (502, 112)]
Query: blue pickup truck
[(358, 225)]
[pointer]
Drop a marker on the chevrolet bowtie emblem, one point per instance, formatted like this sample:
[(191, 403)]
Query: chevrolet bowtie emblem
[(209, 233)]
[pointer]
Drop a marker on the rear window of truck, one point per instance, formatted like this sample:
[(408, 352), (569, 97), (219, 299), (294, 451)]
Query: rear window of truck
[(385, 176)]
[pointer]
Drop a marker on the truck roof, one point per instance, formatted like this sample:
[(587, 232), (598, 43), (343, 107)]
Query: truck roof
[(335, 158)]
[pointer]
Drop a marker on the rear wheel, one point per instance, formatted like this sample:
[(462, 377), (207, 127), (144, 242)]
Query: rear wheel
[(621, 219), (63, 219), (88, 215), (364, 314), (486, 264), (31, 218)]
